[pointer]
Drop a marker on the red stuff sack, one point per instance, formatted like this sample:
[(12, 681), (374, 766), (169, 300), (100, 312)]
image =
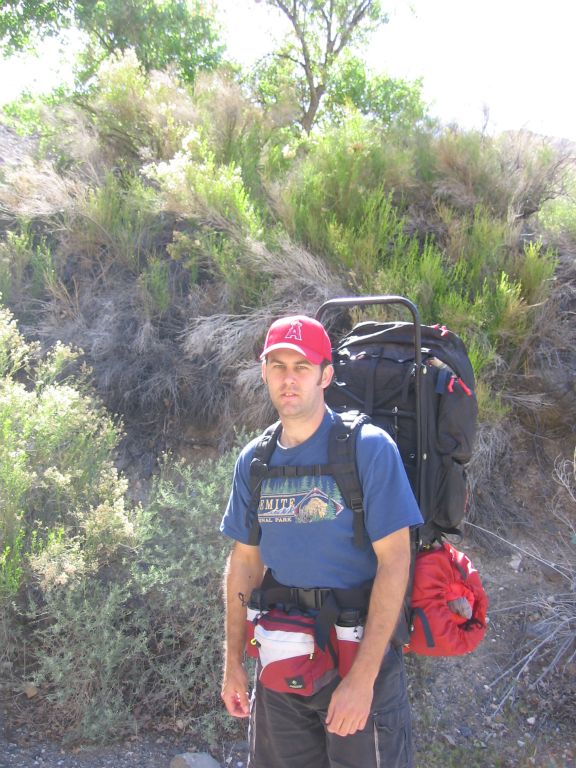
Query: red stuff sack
[(441, 576), (290, 659)]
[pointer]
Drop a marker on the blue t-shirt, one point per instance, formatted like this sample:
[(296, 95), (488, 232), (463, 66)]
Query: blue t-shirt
[(307, 531)]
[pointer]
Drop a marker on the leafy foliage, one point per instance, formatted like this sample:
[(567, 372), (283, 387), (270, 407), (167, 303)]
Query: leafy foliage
[(55, 457), (390, 101), (322, 31), (184, 33), (150, 640)]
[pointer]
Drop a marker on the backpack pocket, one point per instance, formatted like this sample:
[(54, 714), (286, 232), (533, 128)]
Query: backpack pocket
[(451, 494), (290, 659), (252, 617)]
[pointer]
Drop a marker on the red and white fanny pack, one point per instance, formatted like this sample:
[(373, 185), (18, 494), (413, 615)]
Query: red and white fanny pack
[(290, 659)]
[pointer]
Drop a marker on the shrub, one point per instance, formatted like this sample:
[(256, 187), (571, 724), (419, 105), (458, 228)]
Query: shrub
[(89, 661), (154, 283), (54, 453), (115, 225), (180, 574), (342, 169), (122, 604), (232, 128), (145, 646), (193, 183), (558, 216), (468, 172), (138, 117), (213, 196), (26, 265)]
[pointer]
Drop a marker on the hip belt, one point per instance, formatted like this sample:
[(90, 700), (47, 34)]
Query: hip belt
[(331, 605)]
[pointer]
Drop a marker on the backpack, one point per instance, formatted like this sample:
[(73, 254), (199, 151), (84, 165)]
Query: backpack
[(428, 407)]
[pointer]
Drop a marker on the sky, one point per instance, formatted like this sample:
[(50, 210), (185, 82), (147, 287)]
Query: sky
[(507, 62)]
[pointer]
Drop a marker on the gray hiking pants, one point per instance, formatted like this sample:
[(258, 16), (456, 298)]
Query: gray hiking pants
[(288, 731)]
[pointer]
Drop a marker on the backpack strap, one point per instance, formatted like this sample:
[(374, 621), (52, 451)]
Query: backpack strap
[(258, 472), (341, 466), (342, 462)]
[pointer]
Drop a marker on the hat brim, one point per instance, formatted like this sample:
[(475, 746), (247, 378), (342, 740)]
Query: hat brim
[(309, 354)]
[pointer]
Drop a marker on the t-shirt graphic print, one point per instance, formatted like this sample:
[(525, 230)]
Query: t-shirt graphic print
[(297, 502)]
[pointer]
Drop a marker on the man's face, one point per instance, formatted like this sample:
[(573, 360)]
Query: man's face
[(295, 385)]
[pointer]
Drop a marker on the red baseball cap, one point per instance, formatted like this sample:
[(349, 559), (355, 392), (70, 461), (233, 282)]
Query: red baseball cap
[(301, 333)]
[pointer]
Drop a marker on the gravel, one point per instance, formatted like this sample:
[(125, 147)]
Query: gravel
[(145, 752)]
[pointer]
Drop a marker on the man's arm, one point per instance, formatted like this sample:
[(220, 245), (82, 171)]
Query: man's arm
[(244, 572), (352, 700)]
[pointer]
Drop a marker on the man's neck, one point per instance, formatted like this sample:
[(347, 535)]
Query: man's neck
[(295, 432)]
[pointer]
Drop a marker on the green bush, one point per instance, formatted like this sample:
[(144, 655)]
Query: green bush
[(558, 216), (55, 469), (26, 265), (194, 183), (138, 117), (89, 660), (122, 603), (342, 169), (145, 646), (154, 282), (115, 225), (214, 197)]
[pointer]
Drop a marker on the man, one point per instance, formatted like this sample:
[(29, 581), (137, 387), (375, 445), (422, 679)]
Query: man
[(362, 720)]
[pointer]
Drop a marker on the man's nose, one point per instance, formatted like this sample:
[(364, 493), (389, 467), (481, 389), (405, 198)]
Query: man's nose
[(289, 376)]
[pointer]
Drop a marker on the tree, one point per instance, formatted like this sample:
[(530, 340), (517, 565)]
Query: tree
[(390, 101), (323, 29), (161, 32), (387, 100)]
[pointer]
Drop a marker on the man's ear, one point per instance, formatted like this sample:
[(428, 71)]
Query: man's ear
[(327, 376), (263, 371)]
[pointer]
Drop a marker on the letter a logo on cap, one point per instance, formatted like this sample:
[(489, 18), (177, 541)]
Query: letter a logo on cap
[(295, 331)]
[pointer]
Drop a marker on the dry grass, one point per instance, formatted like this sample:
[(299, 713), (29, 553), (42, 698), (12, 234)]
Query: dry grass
[(299, 278), (226, 115), (36, 190), (545, 655), (512, 176), (535, 169), (486, 472), (137, 369), (541, 381)]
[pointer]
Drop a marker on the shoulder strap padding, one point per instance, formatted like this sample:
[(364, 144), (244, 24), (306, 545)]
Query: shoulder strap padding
[(258, 472), (342, 461), (341, 466)]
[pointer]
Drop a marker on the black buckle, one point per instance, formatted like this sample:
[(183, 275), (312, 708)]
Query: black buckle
[(356, 504), (310, 598)]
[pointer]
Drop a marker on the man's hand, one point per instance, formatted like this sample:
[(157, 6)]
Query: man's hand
[(349, 706), (235, 692), (351, 702)]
